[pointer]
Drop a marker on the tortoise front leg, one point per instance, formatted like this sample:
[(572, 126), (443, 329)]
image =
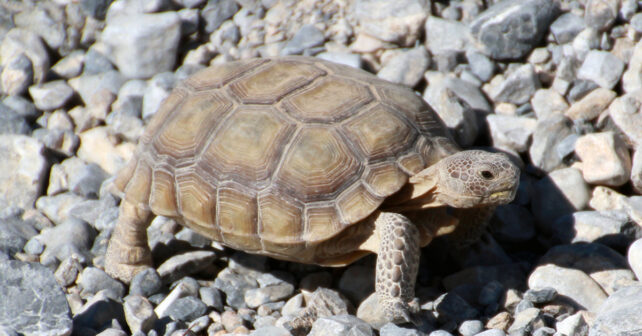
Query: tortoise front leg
[(397, 266), (128, 251)]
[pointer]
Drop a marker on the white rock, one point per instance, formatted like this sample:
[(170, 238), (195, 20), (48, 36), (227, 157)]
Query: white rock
[(511, 131), (591, 105), (546, 102), (636, 170), (635, 258), (631, 79), (99, 147), (626, 113), (24, 168), (605, 159), (572, 283)]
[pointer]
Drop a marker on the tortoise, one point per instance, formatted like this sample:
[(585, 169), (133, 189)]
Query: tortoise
[(305, 160)]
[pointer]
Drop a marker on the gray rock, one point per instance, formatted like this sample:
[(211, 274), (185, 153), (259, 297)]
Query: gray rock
[(215, 12), (270, 331), (397, 22), (511, 132), (22, 107), (20, 41), (453, 307), (544, 331), (540, 295), (510, 29), (391, 329), (566, 27), (184, 264), (57, 208), (75, 175), (43, 21), (95, 62), (24, 165), (142, 45), (491, 293), (620, 314), (480, 65), (95, 8), (93, 280), (99, 313), (510, 275), (312, 281), (14, 233), (67, 273), (307, 37), (631, 80), (518, 87), (139, 313), (440, 333), (186, 309), (157, 90), (61, 141), (492, 332), (16, 76), (89, 85), (444, 36), (636, 170), (573, 325), (32, 301), (51, 95), (470, 327), (340, 325), (601, 67), (70, 66), (357, 282), (612, 228), (513, 224), (11, 122), (548, 133), (234, 286), (560, 193), (571, 283), (273, 293), (34, 246), (635, 257), (70, 237), (600, 14), (523, 305), (211, 297), (626, 114), (407, 67), (526, 321), (145, 283)]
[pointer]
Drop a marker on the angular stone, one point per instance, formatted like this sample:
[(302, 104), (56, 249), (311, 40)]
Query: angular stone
[(444, 36), (548, 133), (258, 296), (547, 102), (70, 66), (634, 256), (518, 87), (23, 107), (24, 168), (510, 131), (20, 41), (510, 29), (307, 37), (407, 67), (340, 325), (612, 228), (591, 105), (397, 22), (631, 79), (234, 286), (216, 12), (32, 301), (636, 170), (139, 313), (11, 122), (98, 312), (71, 237), (16, 76), (560, 193), (157, 90), (626, 113), (75, 175), (566, 27), (574, 284), (97, 146), (600, 14), (573, 325), (605, 159), (88, 86), (185, 264), (93, 280), (480, 65), (211, 297), (142, 45), (620, 314), (601, 67)]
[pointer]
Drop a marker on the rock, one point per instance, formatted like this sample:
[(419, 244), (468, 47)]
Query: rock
[(15, 233), (88, 86), (513, 224), (70, 237), (407, 67), (605, 159), (216, 12), (619, 314), (16, 76), (11, 122), (626, 114), (58, 207), (357, 282), (25, 167), (510, 29), (518, 87), (397, 22), (51, 95), (32, 301), (566, 27), (612, 228), (158, 88), (211, 297), (601, 67), (547, 102), (95, 62), (508, 274), (573, 325), (600, 14), (145, 283), (492, 332), (560, 193), (340, 325), (591, 105), (142, 45), (480, 65), (270, 331), (20, 41), (635, 257), (70, 66), (471, 327), (353, 60), (631, 80), (526, 321), (93, 280), (511, 132), (184, 264), (43, 21), (67, 273), (307, 37), (97, 146), (231, 320), (540, 295), (572, 283), (445, 36), (23, 107), (451, 306), (258, 296), (391, 329), (234, 286), (61, 141), (75, 175), (548, 133), (99, 313), (312, 281), (139, 313), (636, 170), (95, 8)]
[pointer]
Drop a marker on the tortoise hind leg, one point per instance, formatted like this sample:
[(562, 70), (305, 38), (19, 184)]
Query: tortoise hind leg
[(397, 266), (128, 251)]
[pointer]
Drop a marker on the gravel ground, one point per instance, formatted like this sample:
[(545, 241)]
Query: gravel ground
[(556, 84)]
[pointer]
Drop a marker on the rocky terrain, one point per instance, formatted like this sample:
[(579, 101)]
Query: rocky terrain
[(556, 84)]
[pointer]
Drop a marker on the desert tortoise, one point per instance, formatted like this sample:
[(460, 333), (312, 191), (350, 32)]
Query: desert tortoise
[(305, 160)]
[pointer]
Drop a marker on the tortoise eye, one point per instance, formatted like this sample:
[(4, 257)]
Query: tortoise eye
[(487, 174)]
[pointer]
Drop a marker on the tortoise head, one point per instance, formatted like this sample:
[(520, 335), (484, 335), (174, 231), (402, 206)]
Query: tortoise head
[(465, 179)]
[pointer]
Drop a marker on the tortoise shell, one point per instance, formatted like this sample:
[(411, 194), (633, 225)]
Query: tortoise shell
[(274, 155)]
